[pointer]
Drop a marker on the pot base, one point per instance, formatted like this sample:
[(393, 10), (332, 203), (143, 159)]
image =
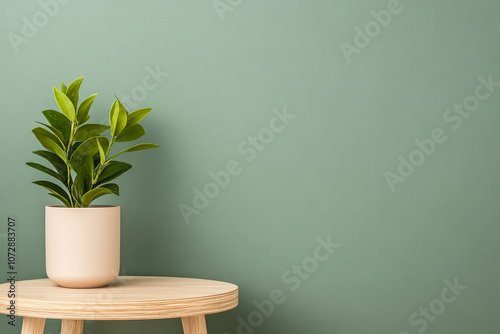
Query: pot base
[(83, 282)]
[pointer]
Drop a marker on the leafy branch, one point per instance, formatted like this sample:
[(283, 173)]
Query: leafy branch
[(79, 153)]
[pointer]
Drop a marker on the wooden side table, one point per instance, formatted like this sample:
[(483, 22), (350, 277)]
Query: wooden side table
[(127, 298)]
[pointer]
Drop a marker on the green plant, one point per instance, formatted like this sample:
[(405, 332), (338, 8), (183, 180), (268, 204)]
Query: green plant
[(79, 152)]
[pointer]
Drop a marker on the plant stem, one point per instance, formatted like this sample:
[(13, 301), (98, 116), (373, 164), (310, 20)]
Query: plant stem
[(73, 202), (99, 170)]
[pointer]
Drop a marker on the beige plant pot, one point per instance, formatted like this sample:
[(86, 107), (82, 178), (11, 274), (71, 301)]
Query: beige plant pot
[(82, 245)]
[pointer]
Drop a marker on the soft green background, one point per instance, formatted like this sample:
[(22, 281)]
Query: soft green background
[(323, 175)]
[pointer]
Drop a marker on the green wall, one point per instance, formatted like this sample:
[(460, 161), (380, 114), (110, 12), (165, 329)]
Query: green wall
[(370, 155)]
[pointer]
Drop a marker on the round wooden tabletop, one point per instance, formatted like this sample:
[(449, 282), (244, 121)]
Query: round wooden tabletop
[(127, 298)]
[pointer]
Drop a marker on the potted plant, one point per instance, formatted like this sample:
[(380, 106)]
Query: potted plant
[(82, 241)]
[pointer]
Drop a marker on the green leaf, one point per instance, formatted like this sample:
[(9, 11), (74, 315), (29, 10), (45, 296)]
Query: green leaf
[(102, 144), (117, 118), (58, 121), (111, 171), (89, 130), (137, 115), (83, 110), (116, 98), (59, 135), (73, 147), (62, 199), (64, 89), (65, 104), (73, 90), (87, 147), (97, 160), (138, 147), (113, 187), (49, 141), (78, 189), (55, 161), (131, 132), (84, 168), (54, 188), (46, 170), (102, 154), (94, 194)]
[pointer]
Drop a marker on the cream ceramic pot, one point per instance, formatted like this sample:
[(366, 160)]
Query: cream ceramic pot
[(82, 245)]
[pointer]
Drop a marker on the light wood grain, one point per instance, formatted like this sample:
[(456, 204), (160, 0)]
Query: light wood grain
[(33, 326), (127, 298), (194, 325), (72, 326)]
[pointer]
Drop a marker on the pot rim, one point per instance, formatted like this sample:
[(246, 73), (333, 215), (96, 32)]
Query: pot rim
[(60, 206)]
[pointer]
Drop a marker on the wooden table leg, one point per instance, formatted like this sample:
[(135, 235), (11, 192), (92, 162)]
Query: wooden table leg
[(194, 325), (71, 326), (33, 325)]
